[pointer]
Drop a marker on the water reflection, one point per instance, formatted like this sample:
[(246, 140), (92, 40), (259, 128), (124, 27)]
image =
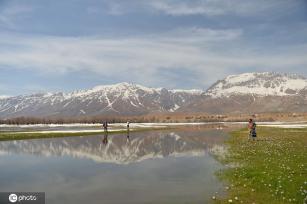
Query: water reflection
[(118, 148), (149, 167), (128, 136), (105, 138)]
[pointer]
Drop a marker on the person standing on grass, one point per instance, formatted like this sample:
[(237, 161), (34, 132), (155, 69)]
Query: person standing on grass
[(252, 129)]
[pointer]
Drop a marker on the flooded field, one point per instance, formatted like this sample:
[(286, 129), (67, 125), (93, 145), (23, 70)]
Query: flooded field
[(170, 166)]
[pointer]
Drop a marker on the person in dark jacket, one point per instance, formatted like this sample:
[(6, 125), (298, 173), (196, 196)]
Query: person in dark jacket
[(128, 126), (128, 131), (252, 129)]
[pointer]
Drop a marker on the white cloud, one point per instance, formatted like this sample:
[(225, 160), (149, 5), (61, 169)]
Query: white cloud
[(196, 34), (196, 50), (111, 57), (198, 7), (219, 7), (186, 8)]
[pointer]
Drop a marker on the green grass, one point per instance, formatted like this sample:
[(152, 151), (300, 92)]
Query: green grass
[(6, 136), (272, 169)]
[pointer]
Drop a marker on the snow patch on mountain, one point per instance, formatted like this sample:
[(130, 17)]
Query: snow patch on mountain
[(4, 96), (122, 98), (175, 108), (240, 78), (260, 84), (125, 89), (190, 91)]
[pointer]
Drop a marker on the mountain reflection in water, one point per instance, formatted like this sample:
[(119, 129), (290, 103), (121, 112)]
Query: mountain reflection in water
[(118, 148), (173, 166)]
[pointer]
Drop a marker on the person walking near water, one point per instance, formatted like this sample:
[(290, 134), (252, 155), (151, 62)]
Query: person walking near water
[(128, 126), (128, 130), (252, 129)]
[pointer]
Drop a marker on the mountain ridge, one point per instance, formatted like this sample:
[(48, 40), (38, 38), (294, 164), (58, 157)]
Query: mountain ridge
[(262, 84), (254, 92), (119, 99)]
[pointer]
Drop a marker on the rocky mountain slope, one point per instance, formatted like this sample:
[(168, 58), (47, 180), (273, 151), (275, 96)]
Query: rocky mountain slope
[(254, 93), (244, 93), (259, 84), (118, 99)]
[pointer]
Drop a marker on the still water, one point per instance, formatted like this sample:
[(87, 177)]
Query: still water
[(174, 166)]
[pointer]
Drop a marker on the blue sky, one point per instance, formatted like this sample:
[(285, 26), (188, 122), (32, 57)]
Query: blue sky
[(55, 45)]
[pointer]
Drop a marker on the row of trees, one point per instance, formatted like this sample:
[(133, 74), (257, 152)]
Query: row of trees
[(96, 119), (148, 118)]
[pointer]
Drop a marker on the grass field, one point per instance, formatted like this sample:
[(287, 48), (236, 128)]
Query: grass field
[(271, 170)]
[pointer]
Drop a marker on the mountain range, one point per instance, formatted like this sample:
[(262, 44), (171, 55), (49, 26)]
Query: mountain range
[(243, 93)]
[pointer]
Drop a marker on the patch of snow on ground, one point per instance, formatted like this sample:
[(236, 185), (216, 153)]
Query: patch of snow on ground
[(285, 125)]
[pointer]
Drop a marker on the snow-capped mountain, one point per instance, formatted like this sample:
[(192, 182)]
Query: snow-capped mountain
[(254, 93), (259, 84), (118, 99), (243, 93)]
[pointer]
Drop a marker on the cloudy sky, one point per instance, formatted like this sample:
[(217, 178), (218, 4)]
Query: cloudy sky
[(55, 45)]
